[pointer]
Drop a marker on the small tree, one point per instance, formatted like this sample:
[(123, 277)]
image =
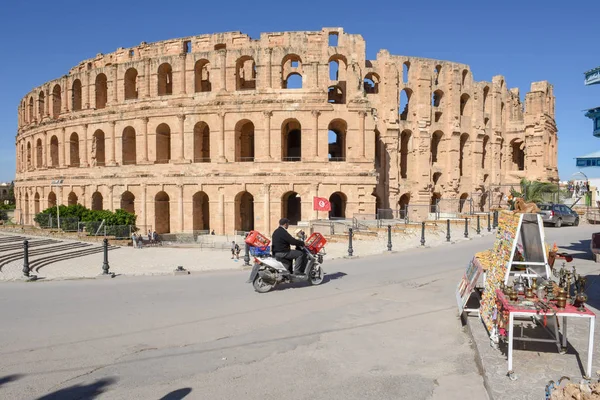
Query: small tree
[(534, 191)]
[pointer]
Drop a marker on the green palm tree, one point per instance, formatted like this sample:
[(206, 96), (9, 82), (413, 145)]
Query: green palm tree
[(534, 191)]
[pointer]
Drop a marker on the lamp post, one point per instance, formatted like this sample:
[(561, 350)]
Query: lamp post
[(57, 183)]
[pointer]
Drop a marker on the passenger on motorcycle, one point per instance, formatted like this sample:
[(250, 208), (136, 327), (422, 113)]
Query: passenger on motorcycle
[(281, 242)]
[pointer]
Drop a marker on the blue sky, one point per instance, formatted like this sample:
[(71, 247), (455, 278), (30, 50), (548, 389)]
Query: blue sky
[(525, 41)]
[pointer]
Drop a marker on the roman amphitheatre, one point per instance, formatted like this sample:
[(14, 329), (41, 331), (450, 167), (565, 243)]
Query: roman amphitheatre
[(228, 133)]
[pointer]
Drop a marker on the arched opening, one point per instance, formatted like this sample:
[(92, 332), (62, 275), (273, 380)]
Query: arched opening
[(128, 202), (465, 107), (436, 177), (202, 76), (201, 142), (436, 99), (291, 140), (98, 152), (74, 150), (41, 104), (38, 154), (464, 139), (200, 212), (293, 81), (244, 141), (465, 73), (56, 101), (518, 154), (36, 203), (165, 79), (336, 95), (97, 201), (405, 95), (31, 116), (486, 103), (101, 91), (484, 150), (436, 139), (403, 205), (404, 152), (51, 199), (501, 114), (461, 203), (337, 68), (245, 72), (436, 74), (128, 146), (435, 199), (130, 83), (163, 144), (244, 212), (54, 151), (76, 95), (72, 199), (337, 140), (338, 205), (291, 72), (291, 207), (405, 71), (29, 166), (162, 213), (371, 83)]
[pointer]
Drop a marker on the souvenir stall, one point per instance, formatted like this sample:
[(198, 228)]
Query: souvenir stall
[(518, 284)]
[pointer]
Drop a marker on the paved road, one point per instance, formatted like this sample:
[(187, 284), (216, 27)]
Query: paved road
[(382, 327)]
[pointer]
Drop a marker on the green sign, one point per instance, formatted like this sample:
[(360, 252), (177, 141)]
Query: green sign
[(592, 77)]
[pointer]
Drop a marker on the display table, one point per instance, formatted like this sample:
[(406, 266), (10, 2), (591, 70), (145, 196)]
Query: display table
[(516, 310)]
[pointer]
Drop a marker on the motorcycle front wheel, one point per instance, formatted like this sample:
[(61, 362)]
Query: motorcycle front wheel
[(261, 286), (316, 275)]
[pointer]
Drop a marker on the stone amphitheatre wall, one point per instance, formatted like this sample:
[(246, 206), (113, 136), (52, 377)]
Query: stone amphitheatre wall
[(229, 133)]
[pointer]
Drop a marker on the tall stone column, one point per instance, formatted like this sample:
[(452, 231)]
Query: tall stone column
[(315, 114), (144, 213), (180, 203), (221, 143), (223, 57), (111, 200), (221, 213), (182, 59), (84, 151), (45, 150), (148, 89), (61, 149), (49, 99), (115, 97), (267, 206), (111, 146), (144, 139), (268, 115), (269, 68), (83, 200), (363, 134), (65, 96), (179, 156), (86, 87)]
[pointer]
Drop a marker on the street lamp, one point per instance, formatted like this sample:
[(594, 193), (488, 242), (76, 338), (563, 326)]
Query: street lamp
[(57, 183)]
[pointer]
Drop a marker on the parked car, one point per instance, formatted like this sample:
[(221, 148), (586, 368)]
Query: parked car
[(558, 215)]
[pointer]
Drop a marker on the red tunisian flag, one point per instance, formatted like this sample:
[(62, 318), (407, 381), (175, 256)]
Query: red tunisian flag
[(321, 204)]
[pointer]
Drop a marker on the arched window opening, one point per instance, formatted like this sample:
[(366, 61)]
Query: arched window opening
[(371, 83), (404, 152), (435, 199), (436, 99), (29, 166), (51, 199), (291, 72), (245, 72), (436, 177), (337, 68), (435, 146), (41, 105), (293, 81), (56, 101), (165, 79), (502, 114), (244, 141), (465, 107), (101, 91), (36, 203), (130, 83), (461, 203), (405, 71), (291, 140), (98, 149), (72, 199), (518, 155), (54, 152), (484, 150), (436, 74), (201, 142), (128, 202), (30, 115), (200, 212), (464, 138), (333, 39), (244, 212), (38, 154), (334, 69), (76, 95), (291, 207), (128, 146), (405, 95), (337, 140), (486, 122), (97, 201), (74, 150), (338, 202), (335, 95), (403, 205), (163, 144), (465, 73), (162, 213), (486, 104), (202, 76)]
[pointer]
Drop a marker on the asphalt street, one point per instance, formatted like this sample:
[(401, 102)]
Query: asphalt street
[(379, 327)]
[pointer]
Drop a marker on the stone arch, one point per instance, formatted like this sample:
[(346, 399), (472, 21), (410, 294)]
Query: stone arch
[(244, 141), (54, 151), (337, 131), (244, 212), (202, 76), (291, 207), (486, 103), (162, 213), (403, 204), (404, 107), (51, 199), (371, 83), (436, 74), (72, 199), (338, 202), (291, 140), (36, 203), (465, 105), (200, 212), (165, 79), (97, 201), (30, 116), (41, 104), (128, 202), (130, 84), (293, 81), (436, 140), (461, 203), (405, 71), (163, 144), (201, 142), (336, 95), (502, 119), (128, 146), (38, 154), (245, 73), (465, 74), (101, 87), (462, 153), (56, 101), (291, 72), (337, 68), (76, 95), (435, 199), (29, 160), (436, 98), (74, 150), (405, 144), (518, 154)]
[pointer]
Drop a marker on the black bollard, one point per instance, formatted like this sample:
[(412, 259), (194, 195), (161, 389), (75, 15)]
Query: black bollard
[(389, 238), (350, 249), (247, 254), (495, 219), (422, 233), (466, 227), (489, 225), (478, 226), (26, 258), (105, 265), (448, 230)]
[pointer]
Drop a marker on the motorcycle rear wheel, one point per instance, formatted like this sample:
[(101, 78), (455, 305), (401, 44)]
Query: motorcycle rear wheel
[(316, 276), (261, 286)]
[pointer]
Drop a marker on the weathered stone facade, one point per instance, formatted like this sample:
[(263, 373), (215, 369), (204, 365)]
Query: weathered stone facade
[(204, 132)]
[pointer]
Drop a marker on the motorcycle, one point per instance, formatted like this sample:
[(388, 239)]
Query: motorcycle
[(269, 271)]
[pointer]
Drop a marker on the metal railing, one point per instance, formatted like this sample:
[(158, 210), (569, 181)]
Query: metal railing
[(292, 159), (337, 159)]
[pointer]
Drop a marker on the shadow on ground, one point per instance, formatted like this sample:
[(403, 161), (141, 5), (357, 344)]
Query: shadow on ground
[(580, 250), (326, 279), (177, 394), (90, 391), (9, 378)]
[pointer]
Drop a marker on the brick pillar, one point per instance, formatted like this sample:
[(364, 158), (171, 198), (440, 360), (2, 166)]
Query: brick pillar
[(65, 96), (179, 156), (269, 69), (45, 146), (221, 213), (111, 200), (267, 207), (148, 89), (268, 115), (144, 140), (223, 56), (84, 149), (182, 59), (315, 114), (222, 139), (363, 134), (86, 87), (180, 203), (111, 146), (48, 101), (61, 149), (144, 212), (115, 96)]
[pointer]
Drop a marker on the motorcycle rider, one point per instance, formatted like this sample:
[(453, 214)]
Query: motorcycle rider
[(282, 240)]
